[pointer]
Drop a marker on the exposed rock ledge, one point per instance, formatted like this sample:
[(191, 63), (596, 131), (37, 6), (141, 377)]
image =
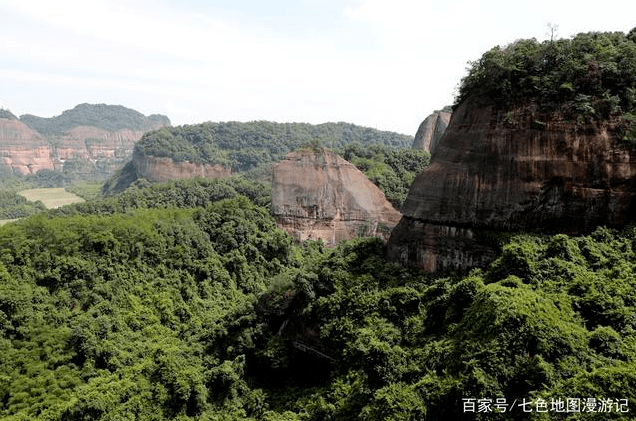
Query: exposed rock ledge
[(318, 194), (161, 169), (507, 170)]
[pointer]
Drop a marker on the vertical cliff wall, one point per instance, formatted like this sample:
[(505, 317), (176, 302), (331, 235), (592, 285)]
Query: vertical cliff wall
[(22, 149), (318, 194), (161, 169), (507, 170)]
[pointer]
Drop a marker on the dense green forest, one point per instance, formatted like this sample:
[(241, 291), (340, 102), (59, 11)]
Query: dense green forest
[(155, 305), (590, 76), (107, 117), (12, 206), (183, 301), (244, 146)]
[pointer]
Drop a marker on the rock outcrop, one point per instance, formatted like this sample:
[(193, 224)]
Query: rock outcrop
[(78, 149), (318, 194), (161, 169), (507, 170), (22, 149), (431, 130)]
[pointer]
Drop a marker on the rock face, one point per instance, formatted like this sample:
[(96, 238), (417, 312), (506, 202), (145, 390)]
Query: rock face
[(507, 170), (85, 151), (431, 130), (23, 150), (318, 194), (164, 169)]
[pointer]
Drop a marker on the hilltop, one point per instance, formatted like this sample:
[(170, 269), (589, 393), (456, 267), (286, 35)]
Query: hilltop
[(541, 139), (102, 116), (239, 147)]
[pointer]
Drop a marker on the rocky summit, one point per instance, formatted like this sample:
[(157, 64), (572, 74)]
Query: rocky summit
[(431, 130), (316, 194), (508, 169)]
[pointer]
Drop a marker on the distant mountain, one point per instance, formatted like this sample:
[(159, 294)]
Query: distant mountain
[(102, 116), (7, 114), (87, 142)]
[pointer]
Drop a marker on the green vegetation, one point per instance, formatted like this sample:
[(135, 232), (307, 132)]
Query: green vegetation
[(391, 169), (51, 197), (7, 114), (591, 76), (187, 193), (86, 190), (183, 301), (107, 117), (244, 146), (13, 205), (252, 148)]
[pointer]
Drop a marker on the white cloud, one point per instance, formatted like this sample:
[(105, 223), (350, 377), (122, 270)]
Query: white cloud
[(196, 65)]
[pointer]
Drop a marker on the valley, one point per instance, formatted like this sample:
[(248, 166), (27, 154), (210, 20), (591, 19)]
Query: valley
[(483, 269)]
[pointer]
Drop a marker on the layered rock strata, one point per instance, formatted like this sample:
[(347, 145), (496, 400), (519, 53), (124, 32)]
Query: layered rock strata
[(508, 170), (23, 150), (81, 150), (161, 169), (319, 195)]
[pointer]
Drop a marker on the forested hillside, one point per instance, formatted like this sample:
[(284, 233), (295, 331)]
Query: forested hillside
[(102, 116), (244, 146), (391, 169), (252, 148), (183, 301), (591, 76)]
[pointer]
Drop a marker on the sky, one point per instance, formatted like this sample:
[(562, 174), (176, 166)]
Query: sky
[(385, 64)]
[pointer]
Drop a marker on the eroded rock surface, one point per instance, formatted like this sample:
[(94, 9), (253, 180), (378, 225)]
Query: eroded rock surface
[(508, 170), (318, 194), (431, 131), (81, 149), (161, 169)]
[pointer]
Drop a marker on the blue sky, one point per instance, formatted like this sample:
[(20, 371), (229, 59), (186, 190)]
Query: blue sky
[(379, 63)]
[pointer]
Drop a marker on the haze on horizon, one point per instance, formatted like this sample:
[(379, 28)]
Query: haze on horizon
[(377, 63)]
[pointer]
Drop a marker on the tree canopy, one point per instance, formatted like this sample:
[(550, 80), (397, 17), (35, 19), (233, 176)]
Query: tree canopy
[(183, 301), (246, 145), (591, 75), (107, 117)]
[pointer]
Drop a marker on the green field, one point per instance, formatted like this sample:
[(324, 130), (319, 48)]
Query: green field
[(51, 197)]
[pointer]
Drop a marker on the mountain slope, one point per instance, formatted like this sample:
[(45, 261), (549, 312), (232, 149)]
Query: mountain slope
[(240, 146)]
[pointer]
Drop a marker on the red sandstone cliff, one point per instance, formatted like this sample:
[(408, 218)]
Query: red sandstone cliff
[(512, 170), (318, 194), (21, 149), (158, 169), (431, 131), (24, 150)]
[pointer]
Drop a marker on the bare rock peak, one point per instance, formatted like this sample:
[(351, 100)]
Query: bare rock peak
[(432, 129), (317, 194)]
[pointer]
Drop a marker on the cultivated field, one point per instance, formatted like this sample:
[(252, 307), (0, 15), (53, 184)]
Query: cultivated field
[(52, 197)]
